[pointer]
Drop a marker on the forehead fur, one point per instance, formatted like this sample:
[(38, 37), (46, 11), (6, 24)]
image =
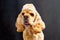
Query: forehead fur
[(29, 7), (28, 11)]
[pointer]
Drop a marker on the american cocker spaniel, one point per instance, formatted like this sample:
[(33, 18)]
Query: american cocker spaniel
[(30, 23)]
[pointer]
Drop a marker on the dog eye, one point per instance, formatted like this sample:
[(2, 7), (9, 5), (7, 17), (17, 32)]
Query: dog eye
[(22, 13), (31, 14)]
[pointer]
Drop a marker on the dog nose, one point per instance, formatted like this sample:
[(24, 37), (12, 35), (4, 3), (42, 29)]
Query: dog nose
[(25, 17)]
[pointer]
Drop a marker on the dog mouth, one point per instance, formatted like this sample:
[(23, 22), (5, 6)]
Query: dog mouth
[(26, 22)]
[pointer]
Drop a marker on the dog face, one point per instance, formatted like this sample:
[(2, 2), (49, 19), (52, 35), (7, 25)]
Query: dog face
[(28, 17)]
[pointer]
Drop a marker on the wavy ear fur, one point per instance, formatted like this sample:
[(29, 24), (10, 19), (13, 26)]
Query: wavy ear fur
[(19, 26), (39, 24)]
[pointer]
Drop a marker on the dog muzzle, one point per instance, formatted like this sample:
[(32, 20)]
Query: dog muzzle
[(26, 22)]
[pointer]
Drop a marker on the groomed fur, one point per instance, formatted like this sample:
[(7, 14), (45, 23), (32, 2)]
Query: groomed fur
[(34, 30)]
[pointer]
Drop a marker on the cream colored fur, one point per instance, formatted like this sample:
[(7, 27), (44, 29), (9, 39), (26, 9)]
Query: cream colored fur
[(35, 31)]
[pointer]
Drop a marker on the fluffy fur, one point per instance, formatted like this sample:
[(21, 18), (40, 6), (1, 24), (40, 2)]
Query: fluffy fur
[(34, 31)]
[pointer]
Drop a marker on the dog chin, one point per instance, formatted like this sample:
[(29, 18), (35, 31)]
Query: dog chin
[(28, 24)]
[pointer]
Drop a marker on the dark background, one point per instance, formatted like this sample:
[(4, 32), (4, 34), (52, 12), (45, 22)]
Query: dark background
[(48, 9)]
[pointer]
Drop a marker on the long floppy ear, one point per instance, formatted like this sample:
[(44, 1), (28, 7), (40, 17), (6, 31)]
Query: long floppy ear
[(19, 26), (39, 24), (40, 21)]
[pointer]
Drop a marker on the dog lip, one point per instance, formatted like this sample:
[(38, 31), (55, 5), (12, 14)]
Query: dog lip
[(26, 22)]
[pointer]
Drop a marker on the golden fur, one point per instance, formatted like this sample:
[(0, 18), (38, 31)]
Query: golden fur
[(34, 30)]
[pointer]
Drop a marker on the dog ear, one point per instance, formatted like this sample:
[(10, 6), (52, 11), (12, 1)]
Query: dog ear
[(19, 26), (40, 21), (39, 24)]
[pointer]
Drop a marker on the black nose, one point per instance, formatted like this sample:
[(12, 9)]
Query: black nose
[(25, 17)]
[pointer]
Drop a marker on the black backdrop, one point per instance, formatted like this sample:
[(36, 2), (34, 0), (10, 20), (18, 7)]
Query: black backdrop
[(48, 9)]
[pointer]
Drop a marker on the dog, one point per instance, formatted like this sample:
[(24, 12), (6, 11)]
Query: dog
[(30, 23)]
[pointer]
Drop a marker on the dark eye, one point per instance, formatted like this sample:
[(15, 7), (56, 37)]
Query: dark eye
[(31, 14), (22, 13)]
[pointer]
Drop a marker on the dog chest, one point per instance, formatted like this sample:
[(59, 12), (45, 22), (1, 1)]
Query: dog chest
[(29, 36)]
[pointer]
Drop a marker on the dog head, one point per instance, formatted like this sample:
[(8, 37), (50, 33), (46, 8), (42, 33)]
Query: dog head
[(28, 16)]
